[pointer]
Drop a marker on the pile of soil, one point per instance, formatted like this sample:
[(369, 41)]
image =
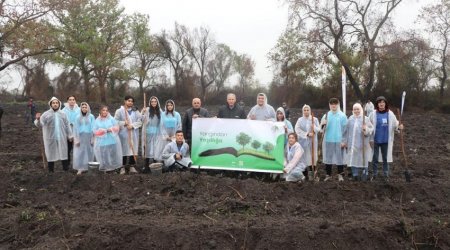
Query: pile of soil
[(186, 210)]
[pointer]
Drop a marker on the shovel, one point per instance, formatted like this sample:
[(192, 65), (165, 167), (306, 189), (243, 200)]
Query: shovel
[(407, 173)]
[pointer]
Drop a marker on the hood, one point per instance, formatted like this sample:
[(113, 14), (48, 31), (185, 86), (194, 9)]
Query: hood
[(265, 98), (165, 105), (281, 109), (52, 99), (358, 106), (89, 108), (149, 102)]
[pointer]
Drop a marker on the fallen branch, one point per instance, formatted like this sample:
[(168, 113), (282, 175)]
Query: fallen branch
[(210, 218), (242, 197)]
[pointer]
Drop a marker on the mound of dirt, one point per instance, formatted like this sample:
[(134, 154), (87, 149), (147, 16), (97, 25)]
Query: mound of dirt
[(188, 210)]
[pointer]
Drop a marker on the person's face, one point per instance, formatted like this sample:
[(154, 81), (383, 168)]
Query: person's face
[(55, 104), (196, 103), (129, 103), (104, 112), (261, 100), (357, 111), (231, 100), (333, 106), (71, 101), (179, 137), (153, 103), (84, 108), (381, 105), (280, 116), (306, 112), (169, 106), (291, 140), (284, 105)]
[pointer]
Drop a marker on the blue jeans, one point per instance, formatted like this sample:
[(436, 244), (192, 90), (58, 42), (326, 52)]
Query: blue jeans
[(384, 148)]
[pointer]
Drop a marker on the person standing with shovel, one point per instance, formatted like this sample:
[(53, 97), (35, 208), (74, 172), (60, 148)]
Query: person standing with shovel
[(129, 121), (385, 123), (356, 139)]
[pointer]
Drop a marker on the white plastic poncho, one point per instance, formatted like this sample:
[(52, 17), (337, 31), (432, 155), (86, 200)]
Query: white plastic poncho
[(288, 124), (302, 128), (134, 118), (83, 149), (354, 137), (55, 131), (264, 112), (152, 134), (107, 146), (171, 122), (171, 149), (71, 113), (333, 153), (369, 108), (294, 163), (393, 126)]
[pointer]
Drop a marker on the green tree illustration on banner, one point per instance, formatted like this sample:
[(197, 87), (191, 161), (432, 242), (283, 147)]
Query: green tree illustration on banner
[(243, 139)]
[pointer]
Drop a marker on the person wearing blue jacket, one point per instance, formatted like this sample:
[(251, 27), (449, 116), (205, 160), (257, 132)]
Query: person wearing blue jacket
[(71, 110), (334, 123)]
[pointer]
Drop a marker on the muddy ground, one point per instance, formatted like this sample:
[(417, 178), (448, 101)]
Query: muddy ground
[(200, 211)]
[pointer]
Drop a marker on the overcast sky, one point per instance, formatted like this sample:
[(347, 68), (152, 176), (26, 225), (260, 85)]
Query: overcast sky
[(247, 26)]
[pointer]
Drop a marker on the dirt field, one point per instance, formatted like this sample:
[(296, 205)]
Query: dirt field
[(190, 211)]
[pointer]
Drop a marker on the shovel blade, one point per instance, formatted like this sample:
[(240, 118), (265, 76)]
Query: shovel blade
[(407, 176)]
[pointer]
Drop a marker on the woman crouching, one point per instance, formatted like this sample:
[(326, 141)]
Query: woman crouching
[(294, 164)]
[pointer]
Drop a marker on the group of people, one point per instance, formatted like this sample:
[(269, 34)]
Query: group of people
[(112, 141), (166, 136), (354, 141)]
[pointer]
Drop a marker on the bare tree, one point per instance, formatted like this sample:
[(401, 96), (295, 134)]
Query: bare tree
[(332, 24), (200, 47), (175, 53), (244, 66), (437, 21), (221, 67)]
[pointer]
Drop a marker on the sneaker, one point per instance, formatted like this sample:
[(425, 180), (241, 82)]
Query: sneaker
[(373, 178), (122, 171), (327, 178), (317, 179), (340, 178), (133, 170), (79, 172)]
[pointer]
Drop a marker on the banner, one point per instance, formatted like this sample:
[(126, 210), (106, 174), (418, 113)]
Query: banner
[(238, 144)]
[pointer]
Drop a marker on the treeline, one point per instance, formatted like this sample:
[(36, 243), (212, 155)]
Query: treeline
[(105, 53)]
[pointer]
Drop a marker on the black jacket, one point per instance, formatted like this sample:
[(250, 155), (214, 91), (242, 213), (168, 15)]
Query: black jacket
[(187, 121), (237, 112)]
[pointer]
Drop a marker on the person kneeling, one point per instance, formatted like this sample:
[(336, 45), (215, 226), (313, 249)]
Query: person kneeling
[(176, 154), (295, 162)]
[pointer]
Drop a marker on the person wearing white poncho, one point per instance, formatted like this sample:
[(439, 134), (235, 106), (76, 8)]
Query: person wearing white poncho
[(333, 148), (129, 121), (107, 146), (152, 133), (176, 154), (356, 138), (287, 124), (83, 150), (294, 163), (56, 132), (262, 111), (306, 135)]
